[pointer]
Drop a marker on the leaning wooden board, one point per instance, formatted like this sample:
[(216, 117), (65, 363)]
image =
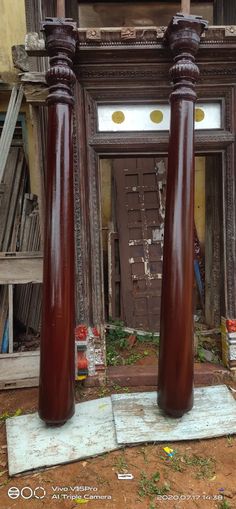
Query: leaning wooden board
[(21, 268), (20, 369)]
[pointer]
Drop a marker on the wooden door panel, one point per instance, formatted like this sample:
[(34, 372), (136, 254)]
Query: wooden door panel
[(140, 208)]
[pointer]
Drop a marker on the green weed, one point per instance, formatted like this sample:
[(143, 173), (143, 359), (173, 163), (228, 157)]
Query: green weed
[(152, 505), (134, 357), (6, 415), (112, 356), (103, 391), (121, 464), (176, 462), (205, 467), (224, 505), (148, 487), (144, 454), (149, 338), (117, 334), (200, 354), (230, 440)]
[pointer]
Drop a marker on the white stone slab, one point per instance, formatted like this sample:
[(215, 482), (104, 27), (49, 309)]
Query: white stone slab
[(138, 418), (32, 444)]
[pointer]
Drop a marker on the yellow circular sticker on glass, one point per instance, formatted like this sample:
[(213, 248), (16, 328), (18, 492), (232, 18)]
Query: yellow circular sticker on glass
[(118, 117), (199, 115), (156, 116)]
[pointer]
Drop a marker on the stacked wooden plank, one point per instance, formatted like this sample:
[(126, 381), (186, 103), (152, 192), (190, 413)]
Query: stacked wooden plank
[(28, 298), (19, 231), (14, 180), (9, 126)]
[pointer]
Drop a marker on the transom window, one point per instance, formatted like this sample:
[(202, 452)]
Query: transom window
[(153, 117)]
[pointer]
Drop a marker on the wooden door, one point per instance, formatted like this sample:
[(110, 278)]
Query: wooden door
[(140, 185)]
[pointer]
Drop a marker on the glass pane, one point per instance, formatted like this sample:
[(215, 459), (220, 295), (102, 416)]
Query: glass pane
[(115, 14), (153, 117)]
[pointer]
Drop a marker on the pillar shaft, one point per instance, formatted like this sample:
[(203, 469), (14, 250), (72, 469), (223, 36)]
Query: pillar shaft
[(57, 361), (175, 382)]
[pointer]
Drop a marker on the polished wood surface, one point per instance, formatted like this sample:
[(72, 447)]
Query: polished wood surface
[(175, 383), (57, 362)]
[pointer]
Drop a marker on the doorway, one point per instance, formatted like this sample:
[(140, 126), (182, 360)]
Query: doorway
[(139, 206), (133, 190)]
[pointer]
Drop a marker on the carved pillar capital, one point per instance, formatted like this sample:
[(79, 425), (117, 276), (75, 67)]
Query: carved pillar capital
[(60, 42), (183, 38)]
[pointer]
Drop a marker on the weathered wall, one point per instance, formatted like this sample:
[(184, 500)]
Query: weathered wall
[(12, 30)]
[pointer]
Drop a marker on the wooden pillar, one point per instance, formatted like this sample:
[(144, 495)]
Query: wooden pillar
[(57, 361), (175, 382)]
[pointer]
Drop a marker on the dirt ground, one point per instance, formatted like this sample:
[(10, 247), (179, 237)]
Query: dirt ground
[(200, 474)]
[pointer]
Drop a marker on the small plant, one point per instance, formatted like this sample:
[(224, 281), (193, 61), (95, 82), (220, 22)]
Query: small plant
[(152, 505), (103, 391), (200, 354), (121, 464), (224, 505), (149, 338), (205, 466), (134, 357), (6, 415), (148, 487), (116, 339), (116, 387), (230, 440), (123, 343), (118, 332), (176, 462), (144, 454), (112, 356)]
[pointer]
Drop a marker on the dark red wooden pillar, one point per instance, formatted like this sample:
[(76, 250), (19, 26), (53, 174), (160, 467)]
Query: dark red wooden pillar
[(175, 384), (57, 363)]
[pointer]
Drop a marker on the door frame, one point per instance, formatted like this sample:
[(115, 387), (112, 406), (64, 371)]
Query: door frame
[(134, 79)]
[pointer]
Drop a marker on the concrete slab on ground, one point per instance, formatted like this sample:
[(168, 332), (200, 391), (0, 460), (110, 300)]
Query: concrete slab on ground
[(31, 444), (138, 418), (106, 424)]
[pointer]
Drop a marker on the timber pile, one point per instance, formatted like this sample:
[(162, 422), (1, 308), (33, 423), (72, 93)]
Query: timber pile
[(19, 231), (13, 183), (28, 298)]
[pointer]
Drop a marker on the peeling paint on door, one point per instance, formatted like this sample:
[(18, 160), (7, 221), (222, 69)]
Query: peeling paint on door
[(140, 211)]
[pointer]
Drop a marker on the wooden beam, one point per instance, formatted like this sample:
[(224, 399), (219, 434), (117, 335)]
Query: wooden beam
[(185, 6)]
